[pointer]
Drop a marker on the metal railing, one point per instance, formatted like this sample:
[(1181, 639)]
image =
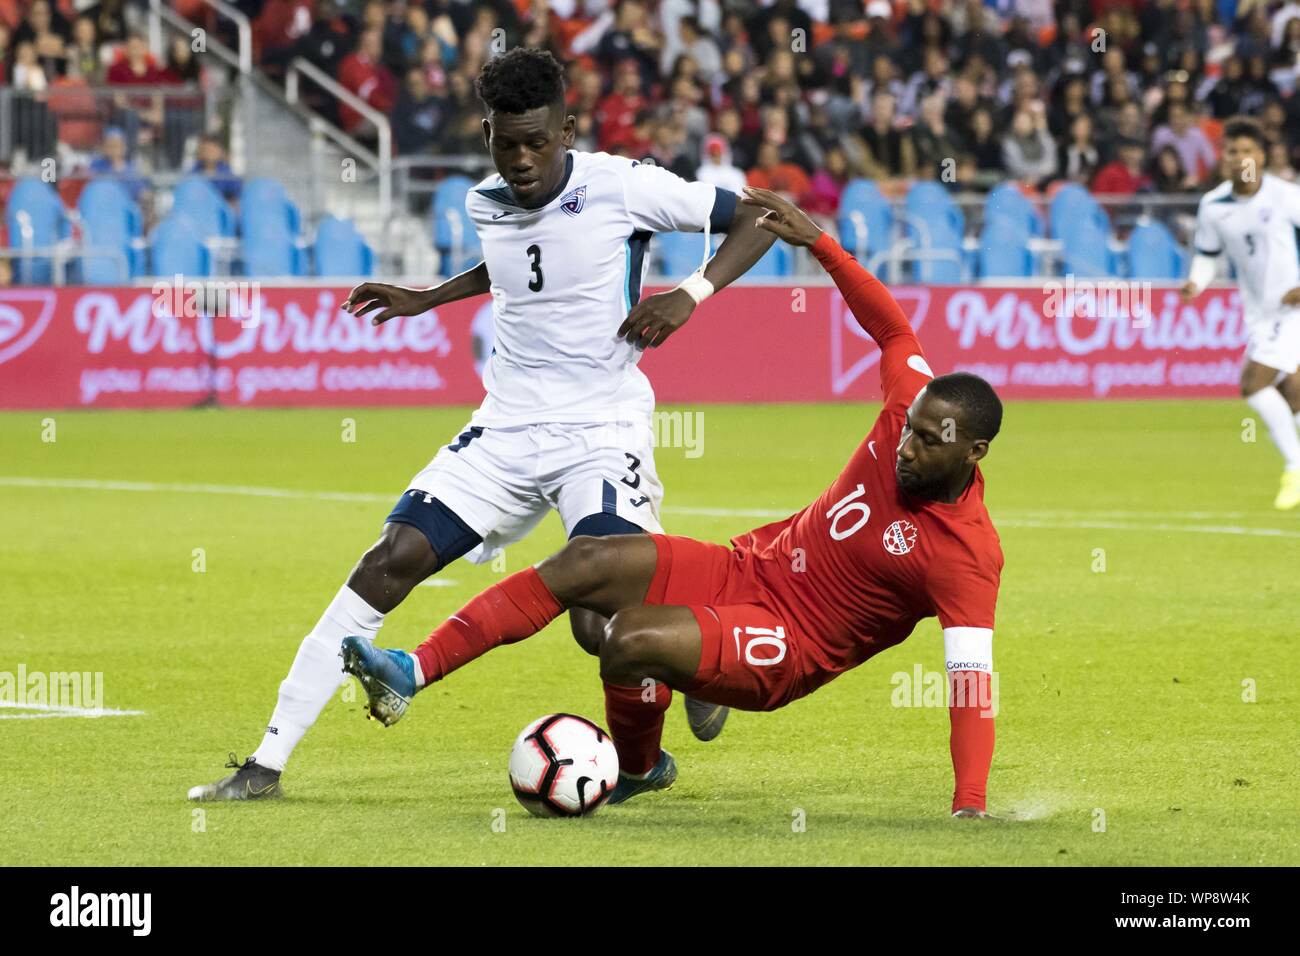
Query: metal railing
[(380, 160), (66, 122), (241, 59)]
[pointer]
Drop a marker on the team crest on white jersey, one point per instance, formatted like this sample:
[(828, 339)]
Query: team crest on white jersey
[(900, 537), (573, 200)]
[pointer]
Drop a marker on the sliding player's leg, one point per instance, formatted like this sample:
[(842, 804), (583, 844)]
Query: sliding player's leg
[(605, 482), (602, 575), (739, 655), (1259, 386)]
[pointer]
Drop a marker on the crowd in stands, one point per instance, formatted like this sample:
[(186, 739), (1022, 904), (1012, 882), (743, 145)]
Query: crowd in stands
[(1121, 96)]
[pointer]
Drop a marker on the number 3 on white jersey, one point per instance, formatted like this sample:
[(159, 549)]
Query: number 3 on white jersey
[(847, 506)]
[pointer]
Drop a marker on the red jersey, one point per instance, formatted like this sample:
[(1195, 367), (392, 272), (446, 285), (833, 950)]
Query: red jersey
[(865, 562)]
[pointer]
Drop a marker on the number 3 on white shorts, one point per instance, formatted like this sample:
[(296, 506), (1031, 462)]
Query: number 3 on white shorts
[(847, 506), (761, 637)]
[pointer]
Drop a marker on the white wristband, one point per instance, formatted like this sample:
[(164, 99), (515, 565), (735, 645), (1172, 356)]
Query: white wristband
[(696, 286)]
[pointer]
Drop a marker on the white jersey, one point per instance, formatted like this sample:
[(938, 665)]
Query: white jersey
[(564, 277), (1261, 236)]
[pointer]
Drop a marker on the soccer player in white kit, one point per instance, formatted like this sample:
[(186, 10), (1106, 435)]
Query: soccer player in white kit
[(1254, 218), (566, 423)]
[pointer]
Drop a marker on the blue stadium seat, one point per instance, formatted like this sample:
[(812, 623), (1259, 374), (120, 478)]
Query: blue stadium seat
[(679, 253), (454, 235), (935, 222), (340, 250), (1004, 250), (1072, 204), (177, 249), (932, 204), (269, 250), (197, 200), (35, 217), (1153, 253), (1086, 250), (1006, 203), (110, 219), (865, 220), (266, 199)]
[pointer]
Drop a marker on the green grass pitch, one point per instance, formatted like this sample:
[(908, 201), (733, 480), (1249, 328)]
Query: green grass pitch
[(1148, 711)]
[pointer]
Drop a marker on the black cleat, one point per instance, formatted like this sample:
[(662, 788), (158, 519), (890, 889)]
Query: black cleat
[(706, 719), (250, 781)]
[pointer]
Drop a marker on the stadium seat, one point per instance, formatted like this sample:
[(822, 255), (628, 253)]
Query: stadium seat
[(678, 253), (935, 222), (109, 219), (35, 218), (197, 200), (454, 235), (1072, 204), (177, 249), (1153, 253), (340, 250), (263, 199), (269, 250), (1006, 203), (933, 205), (1085, 248), (1004, 250), (865, 220)]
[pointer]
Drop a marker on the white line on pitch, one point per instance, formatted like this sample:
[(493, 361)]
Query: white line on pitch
[(59, 710), (1054, 520)]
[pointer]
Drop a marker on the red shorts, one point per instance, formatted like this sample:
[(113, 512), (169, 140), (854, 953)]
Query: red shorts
[(749, 657)]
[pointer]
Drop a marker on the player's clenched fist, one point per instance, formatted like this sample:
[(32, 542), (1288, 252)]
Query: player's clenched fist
[(394, 300), (783, 218)]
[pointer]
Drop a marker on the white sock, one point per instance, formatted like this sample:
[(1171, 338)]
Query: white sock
[(1269, 404), (317, 672), (419, 671)]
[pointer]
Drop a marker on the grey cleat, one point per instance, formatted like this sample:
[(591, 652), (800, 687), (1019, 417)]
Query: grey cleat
[(706, 719), (250, 781)]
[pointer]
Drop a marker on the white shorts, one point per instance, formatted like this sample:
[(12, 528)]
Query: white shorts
[(502, 481), (1274, 340)]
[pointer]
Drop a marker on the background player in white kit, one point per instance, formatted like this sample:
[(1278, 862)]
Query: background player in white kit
[(566, 421), (1254, 218)]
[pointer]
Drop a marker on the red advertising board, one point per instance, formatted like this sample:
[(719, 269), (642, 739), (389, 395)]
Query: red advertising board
[(115, 348)]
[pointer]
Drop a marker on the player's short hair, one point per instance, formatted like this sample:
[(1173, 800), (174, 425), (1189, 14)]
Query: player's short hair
[(982, 408), (1236, 128), (521, 80)]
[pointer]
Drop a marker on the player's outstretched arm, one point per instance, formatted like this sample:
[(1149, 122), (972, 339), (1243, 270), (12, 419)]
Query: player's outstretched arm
[(396, 300), (970, 711), (656, 317)]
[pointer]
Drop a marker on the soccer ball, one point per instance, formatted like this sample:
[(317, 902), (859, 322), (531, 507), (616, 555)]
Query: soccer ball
[(563, 766)]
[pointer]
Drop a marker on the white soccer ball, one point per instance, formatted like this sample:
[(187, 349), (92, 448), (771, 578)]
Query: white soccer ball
[(563, 766)]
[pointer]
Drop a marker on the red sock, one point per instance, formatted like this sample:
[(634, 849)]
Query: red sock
[(518, 607), (636, 722)]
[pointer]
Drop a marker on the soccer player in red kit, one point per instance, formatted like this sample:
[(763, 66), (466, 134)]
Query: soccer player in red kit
[(900, 535)]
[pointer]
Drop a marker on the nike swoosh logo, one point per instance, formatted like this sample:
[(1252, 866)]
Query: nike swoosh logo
[(257, 793), (501, 215), (871, 447)]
